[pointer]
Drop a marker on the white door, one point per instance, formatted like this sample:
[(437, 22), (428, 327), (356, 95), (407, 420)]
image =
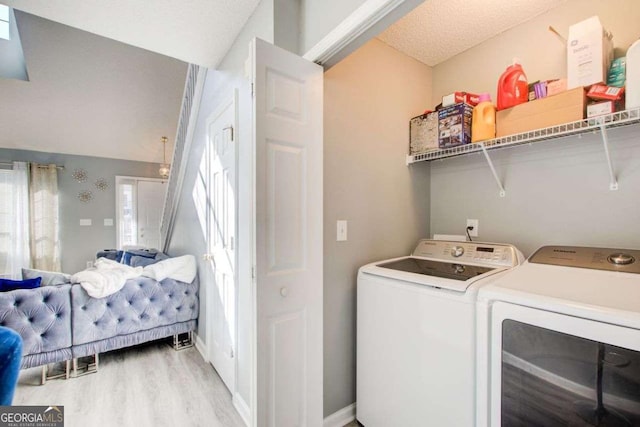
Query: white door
[(288, 196), (222, 191), (150, 201)]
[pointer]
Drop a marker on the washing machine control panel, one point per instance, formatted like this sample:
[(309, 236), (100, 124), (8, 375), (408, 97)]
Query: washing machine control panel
[(612, 259), (489, 254)]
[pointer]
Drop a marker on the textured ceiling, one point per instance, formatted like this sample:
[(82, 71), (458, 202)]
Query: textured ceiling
[(89, 95), (438, 30), (196, 31)]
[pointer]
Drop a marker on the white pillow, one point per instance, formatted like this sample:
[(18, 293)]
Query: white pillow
[(182, 269)]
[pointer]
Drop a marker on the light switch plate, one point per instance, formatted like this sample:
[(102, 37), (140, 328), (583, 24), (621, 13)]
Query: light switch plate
[(341, 230), (85, 222), (108, 222)]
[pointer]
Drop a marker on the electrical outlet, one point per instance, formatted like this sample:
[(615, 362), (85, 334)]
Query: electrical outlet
[(475, 224)]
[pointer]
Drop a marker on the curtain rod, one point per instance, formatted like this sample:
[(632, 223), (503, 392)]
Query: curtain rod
[(39, 165)]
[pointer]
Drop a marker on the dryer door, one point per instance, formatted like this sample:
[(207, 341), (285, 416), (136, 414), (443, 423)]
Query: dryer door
[(556, 370)]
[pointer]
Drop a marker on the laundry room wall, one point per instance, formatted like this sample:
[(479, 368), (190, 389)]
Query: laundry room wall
[(557, 191), (368, 98)]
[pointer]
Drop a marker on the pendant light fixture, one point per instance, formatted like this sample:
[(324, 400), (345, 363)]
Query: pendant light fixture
[(164, 167)]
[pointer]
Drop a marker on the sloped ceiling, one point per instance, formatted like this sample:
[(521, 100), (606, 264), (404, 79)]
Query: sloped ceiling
[(196, 31), (89, 95), (438, 30)]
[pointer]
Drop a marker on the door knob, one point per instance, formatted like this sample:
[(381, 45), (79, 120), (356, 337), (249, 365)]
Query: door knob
[(284, 291)]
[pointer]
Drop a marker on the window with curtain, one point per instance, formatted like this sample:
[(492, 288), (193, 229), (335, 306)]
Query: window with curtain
[(14, 220), (45, 227)]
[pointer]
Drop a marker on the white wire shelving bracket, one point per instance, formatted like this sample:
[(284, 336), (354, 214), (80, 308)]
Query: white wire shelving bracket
[(600, 123)]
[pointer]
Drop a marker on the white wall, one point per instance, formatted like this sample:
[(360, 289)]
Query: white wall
[(187, 236), (368, 100), (319, 17), (557, 191)]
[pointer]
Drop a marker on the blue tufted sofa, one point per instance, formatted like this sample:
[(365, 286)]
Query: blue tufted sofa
[(62, 322)]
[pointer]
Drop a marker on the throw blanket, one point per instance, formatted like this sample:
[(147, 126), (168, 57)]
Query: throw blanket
[(105, 278), (182, 269)]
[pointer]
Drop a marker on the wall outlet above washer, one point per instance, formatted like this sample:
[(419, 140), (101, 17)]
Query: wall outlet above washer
[(475, 224)]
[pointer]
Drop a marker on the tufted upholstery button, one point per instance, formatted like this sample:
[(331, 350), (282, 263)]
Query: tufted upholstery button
[(83, 308), (95, 323), (45, 300), (108, 304), (30, 320)]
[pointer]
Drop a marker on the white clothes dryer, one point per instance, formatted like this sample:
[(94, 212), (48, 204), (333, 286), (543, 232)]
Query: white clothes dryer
[(416, 333), (559, 341)]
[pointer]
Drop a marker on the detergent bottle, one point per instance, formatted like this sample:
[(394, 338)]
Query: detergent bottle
[(633, 76), (483, 124), (513, 88)]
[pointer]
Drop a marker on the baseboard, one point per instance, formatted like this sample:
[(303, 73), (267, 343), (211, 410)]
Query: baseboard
[(242, 408), (342, 417), (201, 347)]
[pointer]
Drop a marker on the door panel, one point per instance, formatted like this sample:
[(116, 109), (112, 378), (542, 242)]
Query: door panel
[(150, 203), (222, 190), (288, 194)]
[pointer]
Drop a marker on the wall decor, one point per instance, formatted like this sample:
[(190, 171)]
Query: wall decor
[(101, 184), (85, 196), (80, 175)]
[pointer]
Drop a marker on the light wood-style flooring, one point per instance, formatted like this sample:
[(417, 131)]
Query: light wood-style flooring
[(149, 385)]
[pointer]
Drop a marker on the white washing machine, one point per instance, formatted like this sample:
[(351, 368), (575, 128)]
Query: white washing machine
[(562, 334), (416, 333)]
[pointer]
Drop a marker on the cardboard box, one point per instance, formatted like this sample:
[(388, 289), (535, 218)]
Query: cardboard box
[(589, 53), (554, 87), (554, 110), (423, 133), (458, 97), (600, 108), (454, 125), (605, 93)]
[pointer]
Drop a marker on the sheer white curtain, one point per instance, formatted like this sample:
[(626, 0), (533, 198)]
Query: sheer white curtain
[(14, 220), (45, 228)]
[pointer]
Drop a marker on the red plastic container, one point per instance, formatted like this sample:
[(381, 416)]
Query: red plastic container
[(513, 88)]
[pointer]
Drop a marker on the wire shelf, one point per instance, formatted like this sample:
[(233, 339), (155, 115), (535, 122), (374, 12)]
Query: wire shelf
[(621, 118)]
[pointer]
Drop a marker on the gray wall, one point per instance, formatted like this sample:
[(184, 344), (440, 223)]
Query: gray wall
[(187, 236), (368, 100), (557, 192), (80, 244)]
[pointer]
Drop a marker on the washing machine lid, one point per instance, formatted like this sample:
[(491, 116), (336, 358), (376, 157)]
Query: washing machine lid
[(599, 294), (427, 267), (448, 265)]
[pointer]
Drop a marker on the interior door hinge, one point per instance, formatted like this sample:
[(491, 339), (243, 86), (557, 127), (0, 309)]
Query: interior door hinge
[(253, 272), (230, 130), (231, 354), (253, 93)]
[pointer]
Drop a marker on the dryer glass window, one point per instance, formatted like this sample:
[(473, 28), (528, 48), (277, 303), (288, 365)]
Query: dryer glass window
[(554, 379)]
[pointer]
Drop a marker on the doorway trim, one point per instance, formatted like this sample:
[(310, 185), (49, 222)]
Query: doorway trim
[(360, 26)]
